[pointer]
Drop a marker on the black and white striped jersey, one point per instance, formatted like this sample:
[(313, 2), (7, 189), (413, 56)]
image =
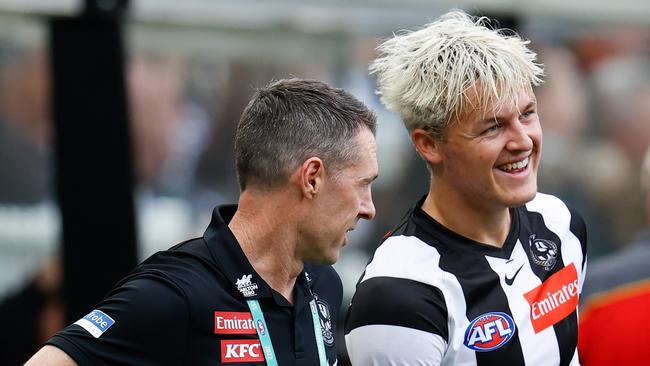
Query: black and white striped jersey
[(432, 297)]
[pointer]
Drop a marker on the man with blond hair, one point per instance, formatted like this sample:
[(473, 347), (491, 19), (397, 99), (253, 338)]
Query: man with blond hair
[(483, 270)]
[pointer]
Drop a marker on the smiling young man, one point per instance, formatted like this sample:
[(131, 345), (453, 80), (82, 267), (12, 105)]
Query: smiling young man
[(483, 270), (257, 288)]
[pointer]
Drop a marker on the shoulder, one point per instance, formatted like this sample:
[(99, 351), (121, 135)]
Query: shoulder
[(406, 257), (402, 287), (124, 328), (553, 208), (188, 265), (558, 216), (549, 206), (396, 321)]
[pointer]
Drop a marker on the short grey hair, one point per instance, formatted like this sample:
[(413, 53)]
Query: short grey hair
[(291, 120), (428, 75)]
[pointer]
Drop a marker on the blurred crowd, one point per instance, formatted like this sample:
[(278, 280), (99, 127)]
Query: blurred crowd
[(594, 109)]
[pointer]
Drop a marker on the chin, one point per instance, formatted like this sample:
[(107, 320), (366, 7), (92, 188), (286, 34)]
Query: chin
[(521, 199)]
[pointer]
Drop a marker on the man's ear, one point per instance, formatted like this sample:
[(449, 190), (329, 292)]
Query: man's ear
[(427, 146), (311, 176)]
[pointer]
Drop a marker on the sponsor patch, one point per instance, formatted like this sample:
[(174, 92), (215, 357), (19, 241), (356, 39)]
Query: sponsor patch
[(96, 323), (233, 322), (489, 331), (241, 350), (245, 286), (554, 299)]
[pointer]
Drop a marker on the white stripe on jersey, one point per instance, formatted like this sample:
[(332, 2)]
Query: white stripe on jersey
[(380, 345)]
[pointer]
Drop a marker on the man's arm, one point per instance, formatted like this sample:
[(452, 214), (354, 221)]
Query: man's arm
[(396, 321), (136, 309), (50, 355)]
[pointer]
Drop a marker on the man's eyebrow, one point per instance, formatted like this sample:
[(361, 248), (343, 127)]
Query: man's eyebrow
[(531, 104), (369, 179), (489, 120)]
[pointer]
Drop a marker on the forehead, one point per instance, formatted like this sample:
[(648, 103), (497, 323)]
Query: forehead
[(365, 162), (477, 110)]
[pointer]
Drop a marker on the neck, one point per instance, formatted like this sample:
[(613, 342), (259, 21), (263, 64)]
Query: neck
[(488, 226), (266, 240)]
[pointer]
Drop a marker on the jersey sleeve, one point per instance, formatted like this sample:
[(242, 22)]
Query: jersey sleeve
[(396, 321), (144, 321)]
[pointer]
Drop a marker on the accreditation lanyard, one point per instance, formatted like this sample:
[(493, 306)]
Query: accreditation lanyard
[(265, 337)]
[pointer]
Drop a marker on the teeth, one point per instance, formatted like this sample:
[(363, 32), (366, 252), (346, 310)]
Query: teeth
[(515, 166)]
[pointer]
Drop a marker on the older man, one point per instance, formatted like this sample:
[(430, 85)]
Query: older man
[(257, 287)]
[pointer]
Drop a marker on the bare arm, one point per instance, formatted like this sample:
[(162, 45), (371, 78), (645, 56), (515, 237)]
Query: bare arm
[(50, 355)]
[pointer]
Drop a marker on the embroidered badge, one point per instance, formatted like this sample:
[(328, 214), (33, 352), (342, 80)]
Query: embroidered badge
[(543, 252), (325, 321), (245, 286)]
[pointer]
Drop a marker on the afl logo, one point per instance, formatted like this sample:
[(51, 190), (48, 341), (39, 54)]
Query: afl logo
[(543, 252), (489, 331), (260, 327)]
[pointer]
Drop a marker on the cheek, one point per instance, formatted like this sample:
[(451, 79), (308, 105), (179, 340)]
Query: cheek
[(534, 130)]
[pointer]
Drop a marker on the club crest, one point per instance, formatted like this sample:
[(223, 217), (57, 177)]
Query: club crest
[(325, 322), (543, 252)]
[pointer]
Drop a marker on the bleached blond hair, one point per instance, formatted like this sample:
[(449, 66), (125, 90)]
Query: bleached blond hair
[(430, 75)]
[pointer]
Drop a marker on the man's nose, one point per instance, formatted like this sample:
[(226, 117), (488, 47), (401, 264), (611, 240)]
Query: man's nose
[(367, 210)]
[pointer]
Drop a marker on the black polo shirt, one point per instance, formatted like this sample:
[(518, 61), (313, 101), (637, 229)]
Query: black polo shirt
[(187, 306)]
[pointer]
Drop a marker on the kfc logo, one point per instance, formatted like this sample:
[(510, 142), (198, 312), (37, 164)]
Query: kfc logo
[(241, 350)]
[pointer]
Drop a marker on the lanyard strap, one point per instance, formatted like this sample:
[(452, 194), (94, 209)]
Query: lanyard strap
[(262, 332), (265, 337), (318, 333)]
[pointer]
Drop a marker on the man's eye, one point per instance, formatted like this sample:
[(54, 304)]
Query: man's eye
[(527, 114), (491, 129)]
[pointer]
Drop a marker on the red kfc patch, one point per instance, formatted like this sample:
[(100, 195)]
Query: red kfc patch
[(241, 350)]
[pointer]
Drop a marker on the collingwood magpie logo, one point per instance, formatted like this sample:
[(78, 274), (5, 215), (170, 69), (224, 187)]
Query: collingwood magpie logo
[(325, 321), (543, 252), (245, 286)]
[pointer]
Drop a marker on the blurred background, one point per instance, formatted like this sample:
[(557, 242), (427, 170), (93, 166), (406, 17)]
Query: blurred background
[(117, 122)]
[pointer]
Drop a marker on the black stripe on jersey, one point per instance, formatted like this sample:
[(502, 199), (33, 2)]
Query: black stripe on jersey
[(478, 281), (565, 329), (579, 229), (390, 301)]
